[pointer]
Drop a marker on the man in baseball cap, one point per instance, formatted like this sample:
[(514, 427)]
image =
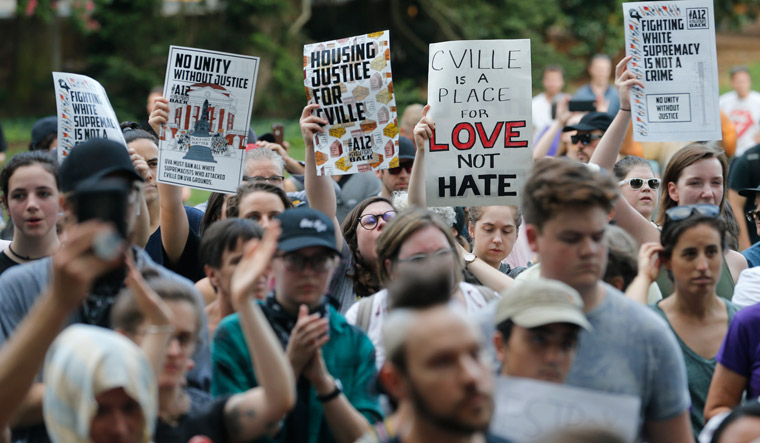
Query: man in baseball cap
[(589, 131), (397, 179), (537, 327), (332, 361), (752, 254)]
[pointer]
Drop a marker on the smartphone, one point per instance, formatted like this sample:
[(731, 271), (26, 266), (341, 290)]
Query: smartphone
[(278, 130), (581, 105), (106, 200)]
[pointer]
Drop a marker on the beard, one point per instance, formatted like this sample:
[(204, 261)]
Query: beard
[(448, 422)]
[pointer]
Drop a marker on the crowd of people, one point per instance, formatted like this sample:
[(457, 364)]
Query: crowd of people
[(311, 308)]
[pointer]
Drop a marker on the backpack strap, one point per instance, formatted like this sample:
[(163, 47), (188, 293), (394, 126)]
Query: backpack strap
[(365, 312)]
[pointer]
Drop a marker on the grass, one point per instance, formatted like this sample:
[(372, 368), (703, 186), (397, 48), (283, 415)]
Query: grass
[(18, 131)]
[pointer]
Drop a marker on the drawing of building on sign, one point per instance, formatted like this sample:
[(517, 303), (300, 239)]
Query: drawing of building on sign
[(219, 108)]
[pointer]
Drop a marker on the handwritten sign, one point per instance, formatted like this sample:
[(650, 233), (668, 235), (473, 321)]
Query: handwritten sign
[(84, 112), (480, 97), (527, 409), (673, 49), (351, 80), (210, 101)]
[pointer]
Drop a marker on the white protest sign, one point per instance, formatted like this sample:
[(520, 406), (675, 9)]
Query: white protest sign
[(210, 101), (351, 80), (479, 93), (84, 112), (674, 55), (527, 409)]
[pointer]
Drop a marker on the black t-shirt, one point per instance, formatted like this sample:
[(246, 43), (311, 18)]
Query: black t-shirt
[(207, 421), (6, 262), (490, 438), (188, 265)]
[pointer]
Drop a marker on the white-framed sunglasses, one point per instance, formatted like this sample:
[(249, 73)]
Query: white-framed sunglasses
[(637, 183)]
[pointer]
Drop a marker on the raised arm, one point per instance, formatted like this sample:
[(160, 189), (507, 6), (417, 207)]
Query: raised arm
[(257, 411), (156, 313), (543, 144), (487, 274), (319, 188), (606, 154), (649, 268), (423, 131), (172, 211), (75, 268)]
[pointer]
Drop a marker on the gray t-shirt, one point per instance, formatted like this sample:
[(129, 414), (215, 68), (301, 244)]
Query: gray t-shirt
[(632, 351), (21, 285)]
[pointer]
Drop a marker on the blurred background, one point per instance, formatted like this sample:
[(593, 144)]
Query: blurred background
[(124, 44)]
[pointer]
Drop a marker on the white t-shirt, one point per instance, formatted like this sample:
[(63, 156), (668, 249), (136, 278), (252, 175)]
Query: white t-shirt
[(745, 114), (542, 115), (473, 298), (747, 289)]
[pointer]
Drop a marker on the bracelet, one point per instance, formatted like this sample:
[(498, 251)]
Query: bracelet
[(627, 110), (155, 329)]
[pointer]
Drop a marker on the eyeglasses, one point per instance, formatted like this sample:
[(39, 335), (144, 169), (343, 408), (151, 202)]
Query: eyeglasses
[(637, 183), (295, 262), (397, 169), (420, 259), (275, 179), (584, 138), (186, 340), (370, 221), (753, 214), (683, 212)]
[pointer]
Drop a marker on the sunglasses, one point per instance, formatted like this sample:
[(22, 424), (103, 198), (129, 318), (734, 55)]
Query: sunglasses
[(397, 169), (370, 221), (637, 183), (584, 138), (753, 214), (318, 262), (683, 212)]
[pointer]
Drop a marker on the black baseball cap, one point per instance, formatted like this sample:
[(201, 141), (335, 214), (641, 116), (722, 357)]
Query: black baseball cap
[(749, 192), (94, 159), (591, 121), (42, 128), (306, 227), (406, 149)]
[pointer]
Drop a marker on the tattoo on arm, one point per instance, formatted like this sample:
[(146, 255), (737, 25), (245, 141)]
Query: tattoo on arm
[(236, 418)]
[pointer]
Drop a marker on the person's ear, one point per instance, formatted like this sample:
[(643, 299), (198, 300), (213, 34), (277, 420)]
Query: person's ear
[(393, 381), (617, 281), (213, 275), (665, 262), (532, 234), (471, 229), (388, 266), (379, 174), (5, 204), (499, 346), (673, 191)]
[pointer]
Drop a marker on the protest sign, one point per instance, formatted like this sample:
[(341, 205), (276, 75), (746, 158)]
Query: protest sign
[(84, 112), (210, 97), (673, 50), (479, 93), (527, 409), (351, 80)]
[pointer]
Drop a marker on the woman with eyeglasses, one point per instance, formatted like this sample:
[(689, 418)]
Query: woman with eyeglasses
[(413, 240), (638, 185), (691, 250), (696, 174)]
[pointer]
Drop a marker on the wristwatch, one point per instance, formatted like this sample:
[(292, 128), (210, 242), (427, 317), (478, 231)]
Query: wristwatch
[(468, 257), (334, 394)]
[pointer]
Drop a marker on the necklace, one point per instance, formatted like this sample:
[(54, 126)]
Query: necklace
[(21, 256)]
